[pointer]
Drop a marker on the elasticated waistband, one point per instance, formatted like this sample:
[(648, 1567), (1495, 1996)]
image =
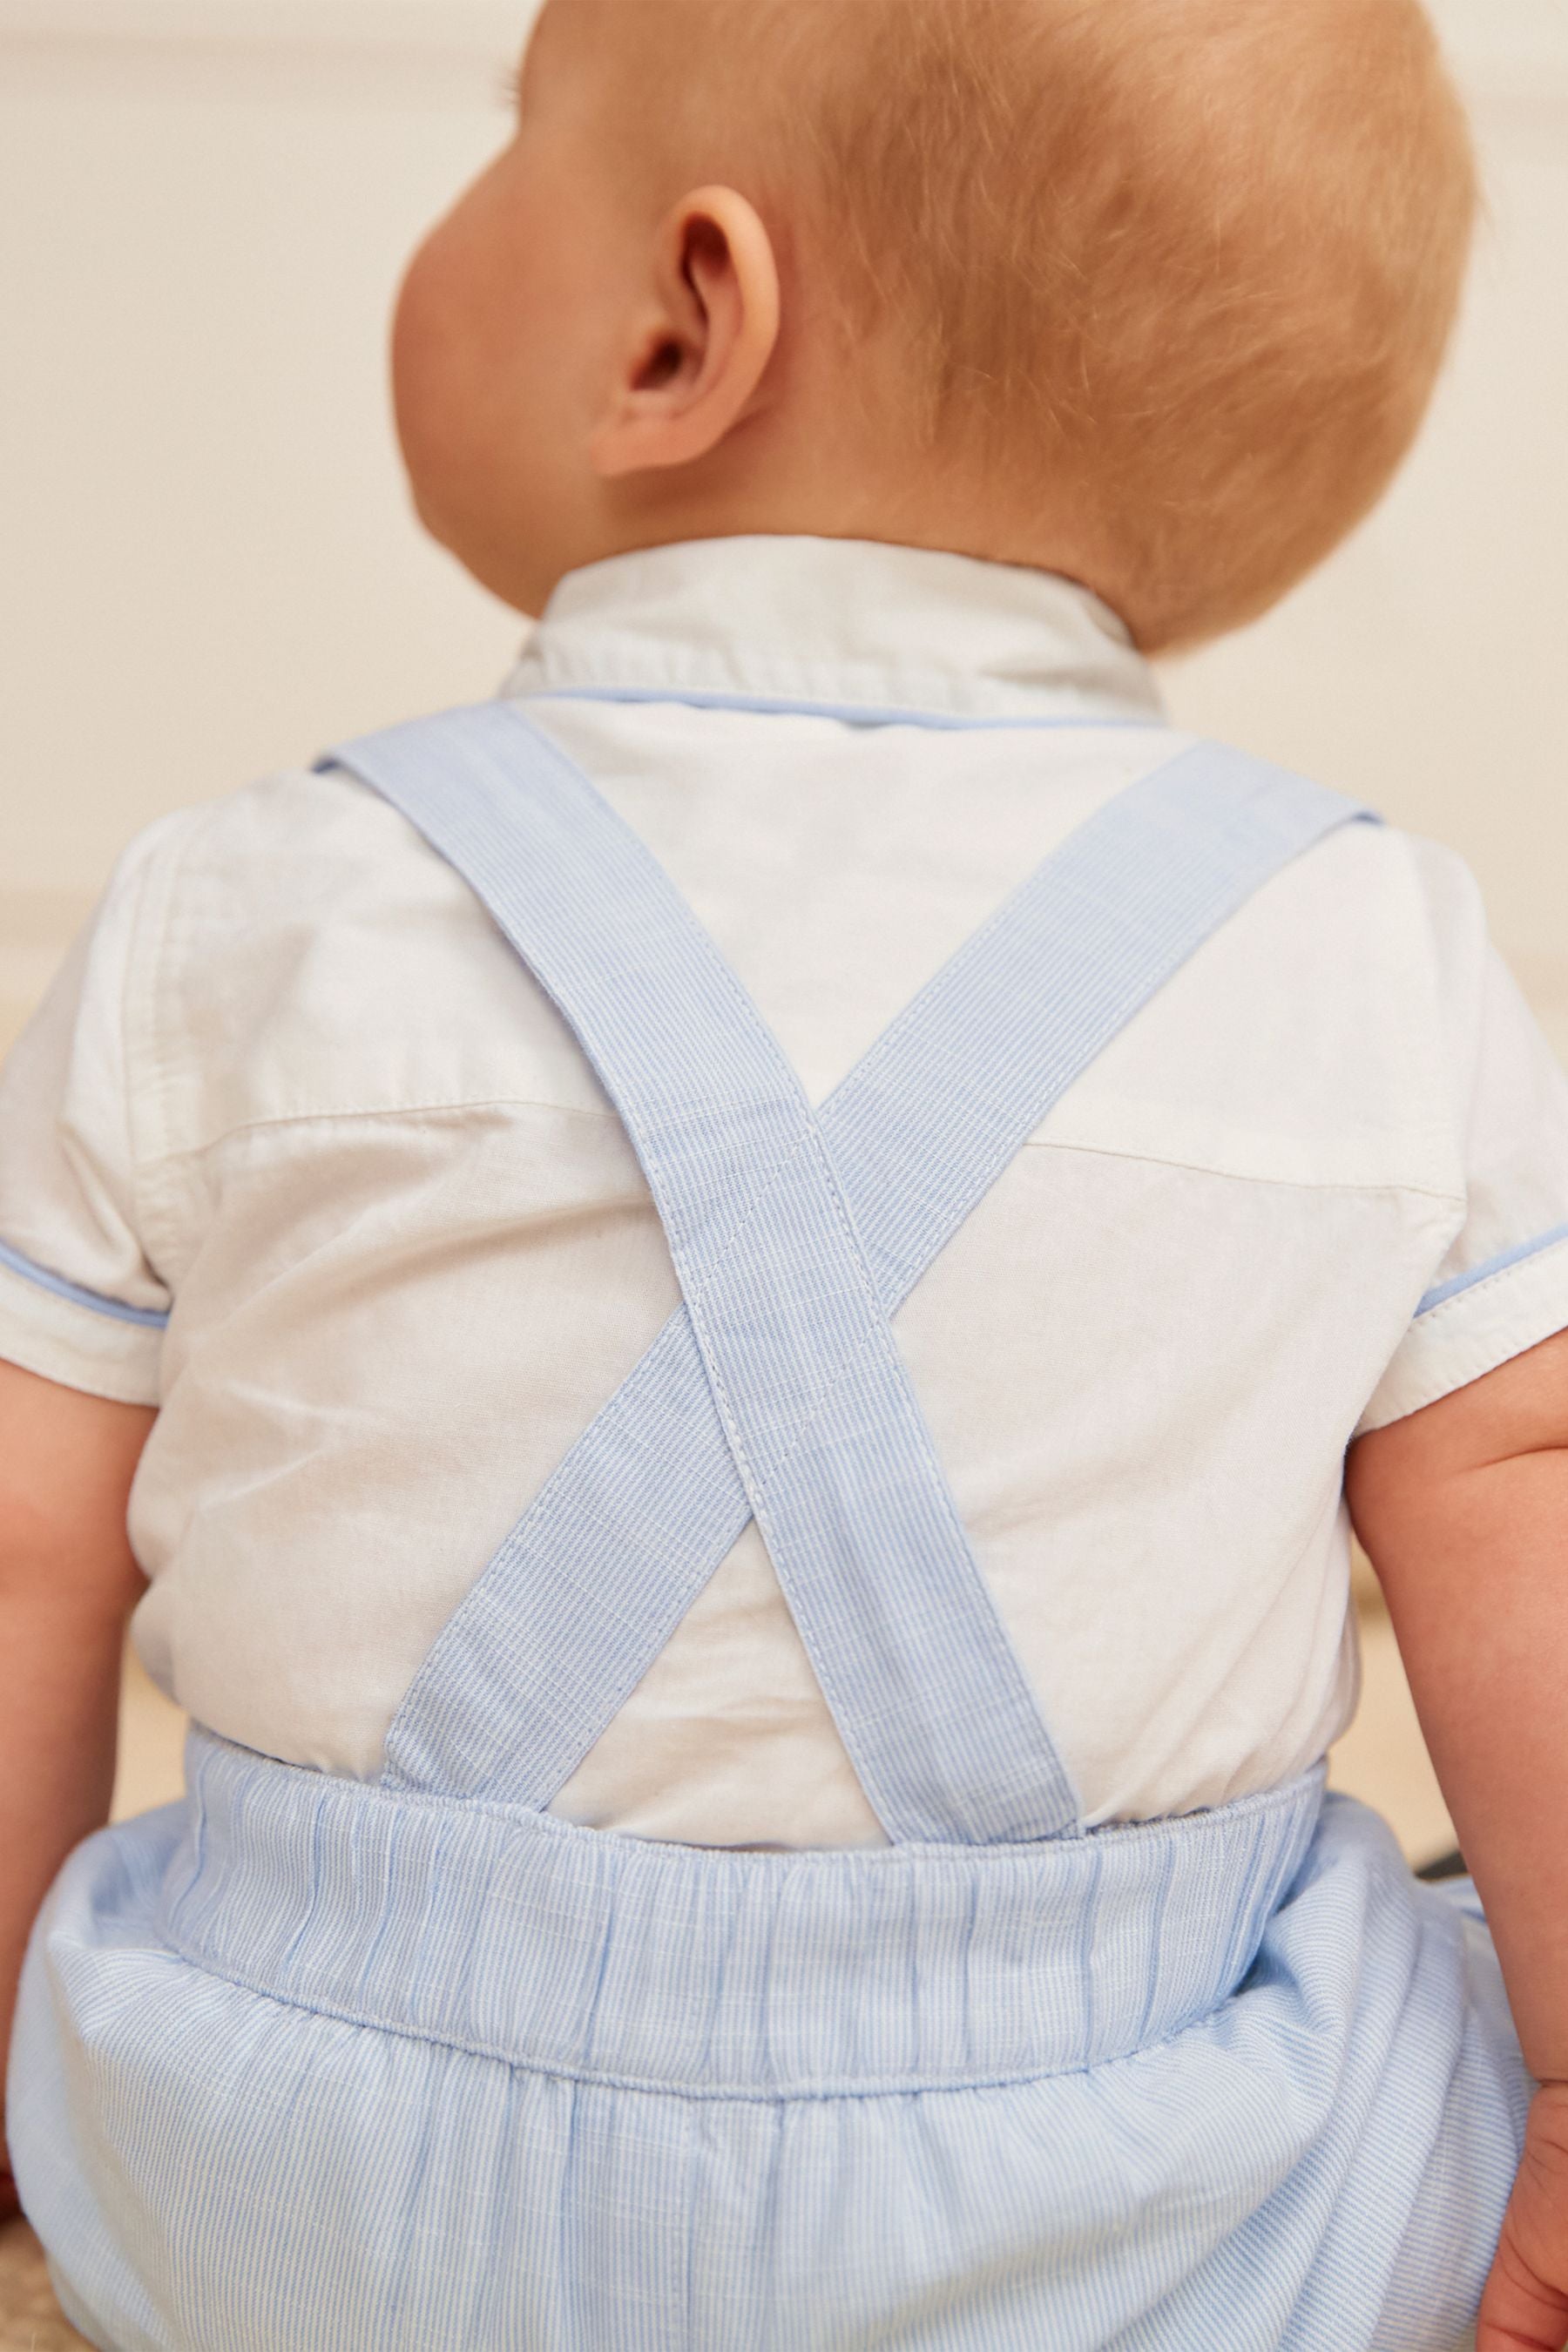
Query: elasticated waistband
[(606, 1958)]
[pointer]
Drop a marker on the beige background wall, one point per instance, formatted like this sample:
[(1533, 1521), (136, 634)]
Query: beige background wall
[(206, 566)]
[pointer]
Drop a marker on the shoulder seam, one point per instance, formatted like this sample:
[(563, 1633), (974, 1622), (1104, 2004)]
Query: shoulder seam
[(143, 1038)]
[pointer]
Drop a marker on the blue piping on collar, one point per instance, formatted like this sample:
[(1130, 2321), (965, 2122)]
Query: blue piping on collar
[(849, 714)]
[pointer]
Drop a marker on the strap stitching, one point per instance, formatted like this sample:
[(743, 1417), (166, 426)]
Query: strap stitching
[(880, 1338), (879, 1341), (766, 1186), (547, 1510)]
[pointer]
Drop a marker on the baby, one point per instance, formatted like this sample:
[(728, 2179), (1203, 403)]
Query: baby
[(853, 1867)]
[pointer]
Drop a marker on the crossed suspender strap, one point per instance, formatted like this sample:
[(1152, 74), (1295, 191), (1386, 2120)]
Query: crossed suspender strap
[(778, 1391)]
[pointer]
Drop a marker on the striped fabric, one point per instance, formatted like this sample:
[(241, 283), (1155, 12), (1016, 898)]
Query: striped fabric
[(311, 2064), (307, 2063), (622, 1539)]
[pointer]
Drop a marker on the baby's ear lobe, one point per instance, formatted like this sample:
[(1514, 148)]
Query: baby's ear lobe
[(697, 356)]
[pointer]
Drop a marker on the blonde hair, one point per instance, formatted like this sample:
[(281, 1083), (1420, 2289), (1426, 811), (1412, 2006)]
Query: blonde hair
[(1185, 269)]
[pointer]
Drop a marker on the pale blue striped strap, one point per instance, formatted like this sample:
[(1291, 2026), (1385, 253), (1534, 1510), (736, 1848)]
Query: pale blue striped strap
[(632, 1524), (939, 1718), (956, 1087)]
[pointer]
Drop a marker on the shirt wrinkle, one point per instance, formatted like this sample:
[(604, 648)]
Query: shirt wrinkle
[(399, 1306)]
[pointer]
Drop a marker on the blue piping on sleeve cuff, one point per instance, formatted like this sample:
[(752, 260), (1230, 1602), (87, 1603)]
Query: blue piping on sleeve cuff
[(1499, 1265), (145, 1319), (1498, 1311)]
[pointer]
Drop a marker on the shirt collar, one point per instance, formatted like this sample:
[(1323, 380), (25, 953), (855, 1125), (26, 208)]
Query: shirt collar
[(843, 622)]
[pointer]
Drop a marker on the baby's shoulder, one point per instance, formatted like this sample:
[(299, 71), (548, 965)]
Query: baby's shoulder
[(1410, 910), (285, 846), (1383, 898), (305, 957), (253, 890)]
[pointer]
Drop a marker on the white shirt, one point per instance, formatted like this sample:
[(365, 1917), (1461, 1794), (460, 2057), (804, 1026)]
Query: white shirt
[(293, 1085)]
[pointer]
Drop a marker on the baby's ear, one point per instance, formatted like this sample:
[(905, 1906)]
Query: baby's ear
[(695, 362)]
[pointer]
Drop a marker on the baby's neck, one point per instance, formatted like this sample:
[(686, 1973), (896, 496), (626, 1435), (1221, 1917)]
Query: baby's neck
[(932, 508)]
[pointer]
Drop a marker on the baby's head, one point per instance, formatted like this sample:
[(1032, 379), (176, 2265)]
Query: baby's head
[(1151, 292)]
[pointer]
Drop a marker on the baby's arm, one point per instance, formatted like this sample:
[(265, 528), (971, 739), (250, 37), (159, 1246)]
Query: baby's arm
[(68, 1583), (1464, 1509)]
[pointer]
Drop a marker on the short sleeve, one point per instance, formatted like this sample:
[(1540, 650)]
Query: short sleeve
[(1503, 1288), (80, 1301)]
